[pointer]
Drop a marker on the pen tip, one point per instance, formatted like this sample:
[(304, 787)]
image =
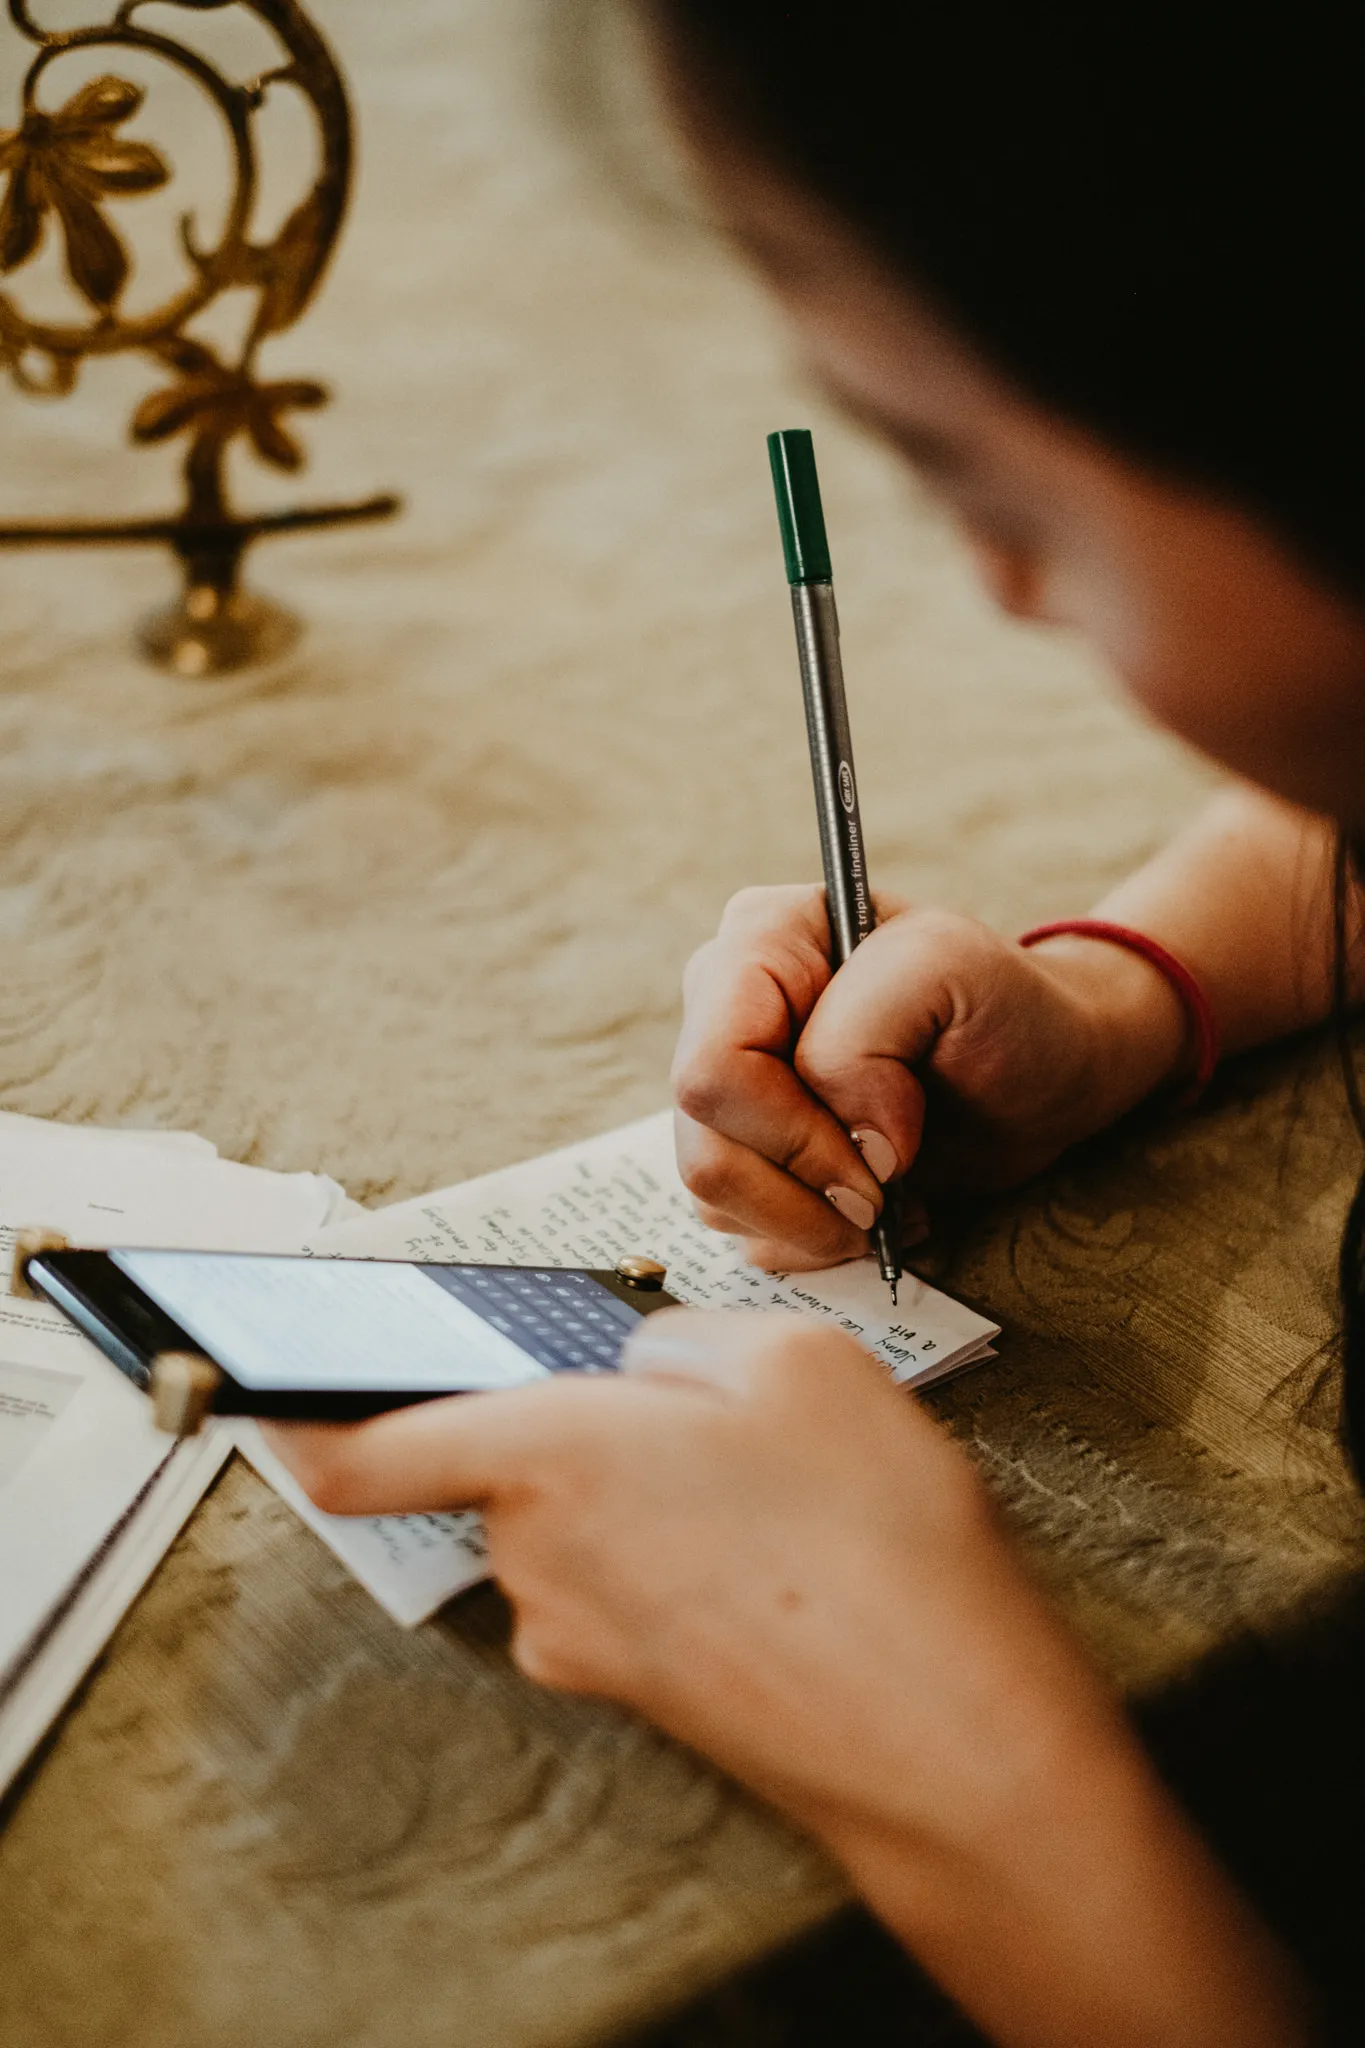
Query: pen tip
[(893, 1294)]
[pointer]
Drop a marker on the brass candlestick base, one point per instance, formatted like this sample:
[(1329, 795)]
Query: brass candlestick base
[(214, 626), (210, 632), (60, 169)]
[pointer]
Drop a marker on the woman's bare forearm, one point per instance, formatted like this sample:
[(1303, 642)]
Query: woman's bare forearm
[(1099, 1916), (1244, 896)]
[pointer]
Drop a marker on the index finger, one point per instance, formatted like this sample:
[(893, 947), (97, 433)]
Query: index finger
[(460, 1452), (747, 995)]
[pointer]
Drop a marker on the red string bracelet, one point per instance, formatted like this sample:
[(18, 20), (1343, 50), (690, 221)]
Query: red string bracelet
[(1192, 998)]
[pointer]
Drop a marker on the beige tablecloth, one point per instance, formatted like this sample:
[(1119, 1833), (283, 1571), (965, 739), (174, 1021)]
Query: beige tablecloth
[(413, 905)]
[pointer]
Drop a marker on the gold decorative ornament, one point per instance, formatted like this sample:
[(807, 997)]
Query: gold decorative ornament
[(64, 170)]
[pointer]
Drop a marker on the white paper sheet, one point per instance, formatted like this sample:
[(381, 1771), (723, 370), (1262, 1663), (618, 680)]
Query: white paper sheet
[(590, 1205), (41, 1681), (79, 1457)]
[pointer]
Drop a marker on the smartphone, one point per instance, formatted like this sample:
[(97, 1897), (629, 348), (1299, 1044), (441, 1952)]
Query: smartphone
[(239, 1333)]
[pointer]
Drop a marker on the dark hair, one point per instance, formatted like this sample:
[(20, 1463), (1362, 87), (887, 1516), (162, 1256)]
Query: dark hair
[(1152, 219)]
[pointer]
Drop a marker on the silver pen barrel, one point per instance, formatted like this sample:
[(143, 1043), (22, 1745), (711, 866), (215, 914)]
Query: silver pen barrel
[(848, 897)]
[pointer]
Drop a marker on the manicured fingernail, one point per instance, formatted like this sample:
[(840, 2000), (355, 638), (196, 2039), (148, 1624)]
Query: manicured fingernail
[(853, 1207), (879, 1154)]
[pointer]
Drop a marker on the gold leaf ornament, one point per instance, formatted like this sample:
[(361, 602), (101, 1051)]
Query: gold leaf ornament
[(289, 267), (216, 404), (67, 163)]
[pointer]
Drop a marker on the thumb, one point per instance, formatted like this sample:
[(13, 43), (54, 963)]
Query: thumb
[(719, 1350)]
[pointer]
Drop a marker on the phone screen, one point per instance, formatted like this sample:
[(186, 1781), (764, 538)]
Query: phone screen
[(282, 1325)]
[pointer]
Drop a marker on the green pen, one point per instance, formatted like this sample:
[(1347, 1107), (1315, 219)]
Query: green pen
[(848, 894)]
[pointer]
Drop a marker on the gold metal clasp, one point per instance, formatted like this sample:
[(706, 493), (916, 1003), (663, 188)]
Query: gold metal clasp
[(638, 1271)]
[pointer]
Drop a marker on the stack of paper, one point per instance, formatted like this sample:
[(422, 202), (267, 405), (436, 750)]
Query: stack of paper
[(91, 1496), (590, 1205)]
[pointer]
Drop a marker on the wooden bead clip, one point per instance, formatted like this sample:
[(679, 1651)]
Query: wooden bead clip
[(182, 1384)]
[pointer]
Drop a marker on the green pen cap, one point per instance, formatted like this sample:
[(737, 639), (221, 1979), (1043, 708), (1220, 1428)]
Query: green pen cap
[(799, 511)]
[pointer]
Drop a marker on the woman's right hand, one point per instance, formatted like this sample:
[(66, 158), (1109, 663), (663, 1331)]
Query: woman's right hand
[(949, 1054)]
